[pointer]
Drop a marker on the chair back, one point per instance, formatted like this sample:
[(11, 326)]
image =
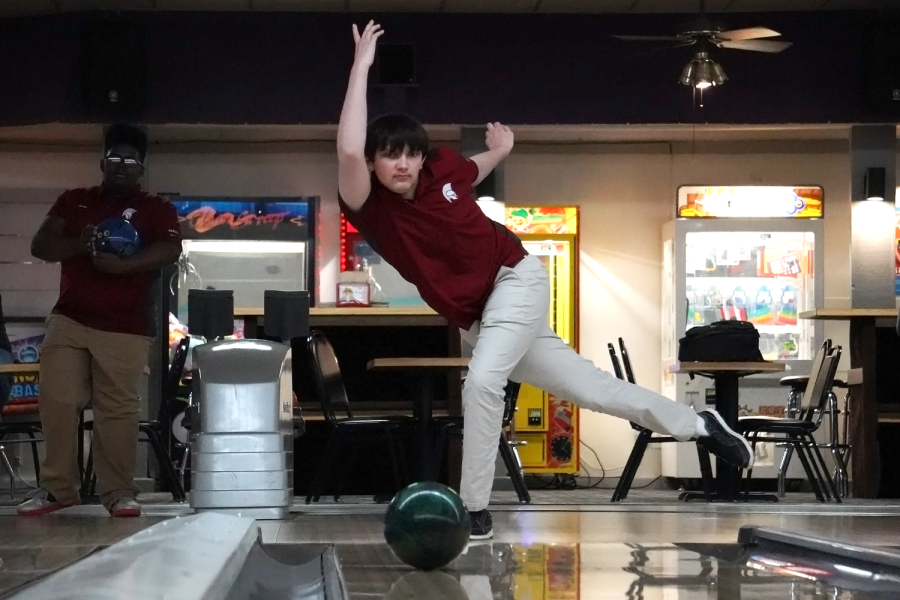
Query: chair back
[(626, 362), (327, 375), (819, 386), (627, 375), (510, 396), (617, 368), (824, 350), (173, 378)]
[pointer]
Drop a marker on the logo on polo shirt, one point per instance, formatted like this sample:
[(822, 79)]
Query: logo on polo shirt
[(128, 213), (449, 194)]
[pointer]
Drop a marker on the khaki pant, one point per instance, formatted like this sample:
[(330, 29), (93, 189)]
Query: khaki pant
[(513, 341), (81, 365)]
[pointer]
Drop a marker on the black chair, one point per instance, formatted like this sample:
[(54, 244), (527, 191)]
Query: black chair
[(343, 426), (30, 428), (798, 384), (646, 437), (155, 430), (798, 432), (455, 426)]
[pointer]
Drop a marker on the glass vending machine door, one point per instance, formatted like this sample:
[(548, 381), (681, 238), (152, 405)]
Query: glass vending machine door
[(549, 425), (765, 278), (246, 267), (556, 255)]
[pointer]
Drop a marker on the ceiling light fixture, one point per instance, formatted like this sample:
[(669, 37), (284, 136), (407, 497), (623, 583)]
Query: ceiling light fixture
[(702, 72)]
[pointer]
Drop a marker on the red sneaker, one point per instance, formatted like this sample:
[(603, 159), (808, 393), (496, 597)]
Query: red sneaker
[(125, 507), (42, 502)]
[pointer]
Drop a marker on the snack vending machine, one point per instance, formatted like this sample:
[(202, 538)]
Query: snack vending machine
[(547, 424), (754, 254)]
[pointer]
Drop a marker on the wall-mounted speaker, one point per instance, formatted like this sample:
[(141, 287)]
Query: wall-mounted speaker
[(395, 64), (113, 67)]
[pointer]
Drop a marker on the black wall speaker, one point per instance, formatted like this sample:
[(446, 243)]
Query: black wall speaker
[(113, 66), (395, 64), (882, 68)]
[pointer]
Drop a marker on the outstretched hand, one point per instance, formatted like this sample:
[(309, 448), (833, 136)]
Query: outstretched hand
[(498, 136), (365, 44)]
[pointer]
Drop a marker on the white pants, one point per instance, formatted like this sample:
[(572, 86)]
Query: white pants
[(514, 341)]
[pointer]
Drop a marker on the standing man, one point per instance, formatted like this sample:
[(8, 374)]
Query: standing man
[(98, 335), (414, 205)]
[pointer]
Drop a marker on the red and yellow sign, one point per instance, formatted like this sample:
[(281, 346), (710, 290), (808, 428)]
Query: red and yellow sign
[(542, 219), (766, 201)]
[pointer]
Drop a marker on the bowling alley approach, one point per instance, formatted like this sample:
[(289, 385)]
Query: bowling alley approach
[(449, 300)]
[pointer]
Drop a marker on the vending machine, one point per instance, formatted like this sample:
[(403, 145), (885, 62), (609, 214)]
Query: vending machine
[(754, 254), (248, 245), (547, 424)]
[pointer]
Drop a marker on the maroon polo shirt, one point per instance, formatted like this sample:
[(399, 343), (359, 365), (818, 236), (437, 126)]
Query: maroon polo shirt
[(118, 303), (440, 241)]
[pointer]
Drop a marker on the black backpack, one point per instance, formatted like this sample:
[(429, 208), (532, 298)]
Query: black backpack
[(728, 341)]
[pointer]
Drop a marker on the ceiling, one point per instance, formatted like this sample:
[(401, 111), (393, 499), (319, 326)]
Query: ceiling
[(9, 8)]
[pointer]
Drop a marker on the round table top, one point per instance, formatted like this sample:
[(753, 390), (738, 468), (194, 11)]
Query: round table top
[(741, 368), (419, 362)]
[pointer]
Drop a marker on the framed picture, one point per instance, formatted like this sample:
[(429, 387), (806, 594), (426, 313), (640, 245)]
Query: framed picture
[(353, 293)]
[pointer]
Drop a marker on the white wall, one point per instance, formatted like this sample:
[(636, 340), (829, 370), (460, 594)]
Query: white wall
[(626, 192)]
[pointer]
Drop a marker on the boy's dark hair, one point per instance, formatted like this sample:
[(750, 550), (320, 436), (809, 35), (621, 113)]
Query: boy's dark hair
[(123, 133), (394, 133)]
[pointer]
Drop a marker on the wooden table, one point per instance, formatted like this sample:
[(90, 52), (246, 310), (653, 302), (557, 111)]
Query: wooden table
[(726, 376), (20, 369), (865, 467), (321, 316), (425, 370)]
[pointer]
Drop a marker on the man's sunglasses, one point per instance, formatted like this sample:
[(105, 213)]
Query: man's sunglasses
[(128, 162)]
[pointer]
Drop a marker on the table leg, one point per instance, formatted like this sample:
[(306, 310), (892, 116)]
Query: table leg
[(866, 462), (728, 478), (251, 326), (426, 439)]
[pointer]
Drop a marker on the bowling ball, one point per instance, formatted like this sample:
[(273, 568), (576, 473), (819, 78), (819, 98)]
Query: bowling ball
[(116, 236), (427, 525)]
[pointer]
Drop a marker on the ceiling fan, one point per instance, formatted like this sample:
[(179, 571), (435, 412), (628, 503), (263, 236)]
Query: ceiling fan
[(703, 72)]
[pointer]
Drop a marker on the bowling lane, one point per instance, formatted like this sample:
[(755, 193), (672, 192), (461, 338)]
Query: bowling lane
[(587, 555), (550, 526), (492, 570)]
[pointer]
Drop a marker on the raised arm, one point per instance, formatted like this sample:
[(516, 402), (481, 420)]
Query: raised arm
[(499, 141), (353, 173)]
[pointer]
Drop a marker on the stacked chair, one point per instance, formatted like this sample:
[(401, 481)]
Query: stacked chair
[(840, 451), (344, 428), (797, 430), (507, 446), (646, 437)]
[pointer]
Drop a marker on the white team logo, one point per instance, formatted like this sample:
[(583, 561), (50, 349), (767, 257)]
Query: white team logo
[(449, 194), (128, 213)]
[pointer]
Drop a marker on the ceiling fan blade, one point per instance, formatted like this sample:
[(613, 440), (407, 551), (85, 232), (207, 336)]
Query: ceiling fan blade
[(658, 49), (750, 33), (649, 38), (756, 45)]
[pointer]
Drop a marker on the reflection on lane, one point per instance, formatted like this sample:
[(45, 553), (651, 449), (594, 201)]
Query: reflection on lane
[(502, 571)]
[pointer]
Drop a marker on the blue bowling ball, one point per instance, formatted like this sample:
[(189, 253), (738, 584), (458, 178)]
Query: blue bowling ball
[(116, 236), (427, 525)]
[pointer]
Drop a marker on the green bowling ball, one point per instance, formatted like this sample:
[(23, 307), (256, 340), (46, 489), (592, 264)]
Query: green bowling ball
[(427, 525)]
